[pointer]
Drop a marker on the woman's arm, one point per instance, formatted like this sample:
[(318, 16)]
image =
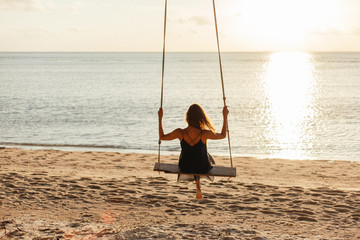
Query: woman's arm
[(212, 135), (170, 136)]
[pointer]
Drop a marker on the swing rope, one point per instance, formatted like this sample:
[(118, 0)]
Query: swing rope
[(221, 75), (222, 80), (162, 74)]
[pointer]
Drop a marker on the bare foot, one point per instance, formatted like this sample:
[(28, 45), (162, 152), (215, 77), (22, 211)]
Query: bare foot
[(198, 195)]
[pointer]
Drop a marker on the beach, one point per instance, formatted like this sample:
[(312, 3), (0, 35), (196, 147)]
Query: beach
[(52, 194)]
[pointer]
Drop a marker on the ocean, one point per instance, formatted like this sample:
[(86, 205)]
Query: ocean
[(291, 105)]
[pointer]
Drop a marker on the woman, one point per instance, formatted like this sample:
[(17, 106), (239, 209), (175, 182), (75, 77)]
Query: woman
[(194, 157)]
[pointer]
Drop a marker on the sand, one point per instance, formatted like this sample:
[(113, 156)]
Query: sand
[(50, 194)]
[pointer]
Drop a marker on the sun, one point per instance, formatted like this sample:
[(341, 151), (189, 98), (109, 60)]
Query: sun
[(287, 23)]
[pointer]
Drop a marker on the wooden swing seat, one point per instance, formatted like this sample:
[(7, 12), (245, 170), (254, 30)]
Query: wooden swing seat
[(215, 171)]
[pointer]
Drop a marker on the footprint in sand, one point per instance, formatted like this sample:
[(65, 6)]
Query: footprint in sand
[(302, 215), (309, 202), (94, 186)]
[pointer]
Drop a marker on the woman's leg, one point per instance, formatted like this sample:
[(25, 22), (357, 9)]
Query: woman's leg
[(198, 188)]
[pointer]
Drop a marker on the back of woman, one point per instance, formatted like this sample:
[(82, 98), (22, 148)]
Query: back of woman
[(194, 156)]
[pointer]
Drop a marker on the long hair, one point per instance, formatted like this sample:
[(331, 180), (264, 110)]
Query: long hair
[(197, 118)]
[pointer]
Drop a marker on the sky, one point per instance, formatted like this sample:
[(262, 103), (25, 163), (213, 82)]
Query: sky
[(137, 25)]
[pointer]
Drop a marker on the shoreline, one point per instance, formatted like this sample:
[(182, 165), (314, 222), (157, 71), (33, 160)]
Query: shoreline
[(109, 195), (110, 148)]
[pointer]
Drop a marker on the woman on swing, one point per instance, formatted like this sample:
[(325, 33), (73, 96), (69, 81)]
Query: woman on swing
[(194, 157)]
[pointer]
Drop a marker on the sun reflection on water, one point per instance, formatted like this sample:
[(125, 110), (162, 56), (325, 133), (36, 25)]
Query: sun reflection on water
[(289, 85)]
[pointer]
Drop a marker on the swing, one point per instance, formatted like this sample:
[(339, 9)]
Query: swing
[(174, 168)]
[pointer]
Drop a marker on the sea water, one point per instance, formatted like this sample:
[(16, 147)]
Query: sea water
[(291, 105)]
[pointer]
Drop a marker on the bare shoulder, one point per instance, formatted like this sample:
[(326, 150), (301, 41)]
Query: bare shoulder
[(207, 133), (211, 135), (179, 132)]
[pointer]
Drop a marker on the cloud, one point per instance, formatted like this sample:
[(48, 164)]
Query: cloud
[(178, 20), (27, 33), (72, 9), (195, 19), (200, 20), (356, 30), (326, 32), (75, 7), (25, 5), (78, 30)]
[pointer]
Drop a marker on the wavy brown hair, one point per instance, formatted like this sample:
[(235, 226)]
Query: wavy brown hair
[(197, 118)]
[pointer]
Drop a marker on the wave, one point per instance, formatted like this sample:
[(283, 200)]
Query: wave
[(154, 149), (69, 145)]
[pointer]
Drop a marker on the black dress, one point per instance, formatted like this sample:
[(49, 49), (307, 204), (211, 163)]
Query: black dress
[(194, 159)]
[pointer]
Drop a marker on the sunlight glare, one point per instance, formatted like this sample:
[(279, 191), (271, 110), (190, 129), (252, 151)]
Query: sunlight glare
[(289, 84)]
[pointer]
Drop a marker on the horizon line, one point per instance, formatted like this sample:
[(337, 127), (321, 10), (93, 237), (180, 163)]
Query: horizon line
[(357, 51)]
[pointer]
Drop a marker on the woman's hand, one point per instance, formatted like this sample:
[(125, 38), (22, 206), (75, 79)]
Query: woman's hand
[(160, 113), (225, 111)]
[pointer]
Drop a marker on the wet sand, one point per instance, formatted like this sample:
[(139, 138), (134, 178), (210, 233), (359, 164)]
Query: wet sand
[(50, 194)]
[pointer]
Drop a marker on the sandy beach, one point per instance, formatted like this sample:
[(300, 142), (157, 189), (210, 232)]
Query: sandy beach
[(51, 194)]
